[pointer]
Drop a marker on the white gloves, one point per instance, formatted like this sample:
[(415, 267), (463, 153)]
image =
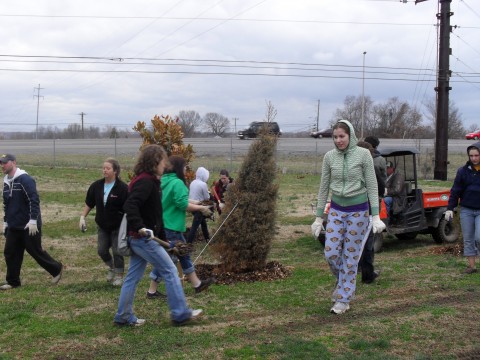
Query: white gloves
[(205, 211), (448, 215), (146, 232), (377, 225), (317, 227), (5, 225), (82, 224), (32, 227), (221, 205)]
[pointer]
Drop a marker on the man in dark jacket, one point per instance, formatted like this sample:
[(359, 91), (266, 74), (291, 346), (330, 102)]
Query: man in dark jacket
[(368, 254), (22, 224)]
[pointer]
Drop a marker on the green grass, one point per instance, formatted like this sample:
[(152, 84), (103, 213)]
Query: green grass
[(421, 307)]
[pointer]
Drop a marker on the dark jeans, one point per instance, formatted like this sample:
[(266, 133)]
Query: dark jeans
[(366, 261), (198, 220), (106, 240), (17, 241)]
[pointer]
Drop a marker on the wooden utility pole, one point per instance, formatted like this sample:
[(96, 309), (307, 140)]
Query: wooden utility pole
[(82, 114), (318, 112), (442, 89), (38, 107)]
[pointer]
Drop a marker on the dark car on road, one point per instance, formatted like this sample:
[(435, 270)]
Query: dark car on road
[(256, 127), (473, 135), (322, 133)]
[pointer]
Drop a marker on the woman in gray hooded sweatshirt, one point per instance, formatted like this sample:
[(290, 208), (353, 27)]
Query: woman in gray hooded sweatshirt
[(198, 193)]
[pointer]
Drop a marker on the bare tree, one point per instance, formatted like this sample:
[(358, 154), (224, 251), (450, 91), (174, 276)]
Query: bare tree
[(455, 123), (189, 121), (352, 111), (216, 123), (271, 112)]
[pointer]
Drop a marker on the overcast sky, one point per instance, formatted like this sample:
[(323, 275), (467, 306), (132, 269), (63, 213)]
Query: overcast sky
[(120, 61)]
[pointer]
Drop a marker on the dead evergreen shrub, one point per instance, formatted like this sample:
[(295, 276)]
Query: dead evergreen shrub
[(244, 241)]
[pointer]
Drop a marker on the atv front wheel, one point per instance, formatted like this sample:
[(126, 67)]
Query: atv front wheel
[(445, 232)]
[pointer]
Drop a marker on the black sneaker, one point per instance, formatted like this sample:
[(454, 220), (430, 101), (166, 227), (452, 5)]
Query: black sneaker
[(156, 295), (204, 285)]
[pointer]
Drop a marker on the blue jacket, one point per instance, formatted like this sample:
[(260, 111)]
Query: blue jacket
[(21, 202), (466, 186)]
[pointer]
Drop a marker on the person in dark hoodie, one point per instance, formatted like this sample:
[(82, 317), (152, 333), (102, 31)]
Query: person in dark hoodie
[(348, 173), (22, 224), (368, 255), (144, 215), (466, 193)]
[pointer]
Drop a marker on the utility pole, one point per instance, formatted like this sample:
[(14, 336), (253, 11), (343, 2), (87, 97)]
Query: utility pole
[(83, 132), (38, 107), (442, 89), (318, 112)]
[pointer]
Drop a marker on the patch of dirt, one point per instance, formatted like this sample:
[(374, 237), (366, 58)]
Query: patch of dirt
[(455, 249), (272, 271)]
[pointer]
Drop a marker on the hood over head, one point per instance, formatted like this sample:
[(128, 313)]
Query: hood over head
[(353, 138), (475, 145), (202, 174)]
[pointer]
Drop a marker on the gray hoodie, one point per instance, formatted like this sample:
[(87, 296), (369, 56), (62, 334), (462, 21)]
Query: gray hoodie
[(198, 187)]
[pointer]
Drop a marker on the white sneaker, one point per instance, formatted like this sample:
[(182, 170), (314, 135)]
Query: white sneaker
[(57, 278), (6, 287), (339, 308), (117, 282), (195, 315), (110, 275)]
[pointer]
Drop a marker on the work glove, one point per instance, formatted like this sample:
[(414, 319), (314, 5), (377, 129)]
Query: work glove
[(146, 232), (448, 215), (5, 226), (82, 224), (32, 227), (377, 225), (205, 210), (317, 227), (221, 205)]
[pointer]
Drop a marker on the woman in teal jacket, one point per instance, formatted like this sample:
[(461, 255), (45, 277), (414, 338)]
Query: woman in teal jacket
[(348, 173), (175, 204)]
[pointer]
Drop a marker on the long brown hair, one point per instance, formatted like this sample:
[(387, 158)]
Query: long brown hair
[(177, 166), (149, 158)]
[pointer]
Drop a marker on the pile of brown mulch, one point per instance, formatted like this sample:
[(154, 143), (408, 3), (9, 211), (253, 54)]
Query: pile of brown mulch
[(272, 271), (455, 249)]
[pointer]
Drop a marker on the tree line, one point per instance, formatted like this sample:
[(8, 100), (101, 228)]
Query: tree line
[(393, 118)]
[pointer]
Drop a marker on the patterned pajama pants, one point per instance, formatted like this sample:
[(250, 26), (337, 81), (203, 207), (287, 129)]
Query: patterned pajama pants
[(345, 232)]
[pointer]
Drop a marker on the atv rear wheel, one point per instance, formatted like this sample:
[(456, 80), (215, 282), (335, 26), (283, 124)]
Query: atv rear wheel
[(445, 232), (407, 236)]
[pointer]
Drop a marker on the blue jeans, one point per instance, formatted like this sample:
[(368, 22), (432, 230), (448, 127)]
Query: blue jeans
[(470, 221), (185, 261), (144, 251)]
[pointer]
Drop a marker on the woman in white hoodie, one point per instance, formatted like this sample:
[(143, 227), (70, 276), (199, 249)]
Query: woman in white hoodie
[(198, 193)]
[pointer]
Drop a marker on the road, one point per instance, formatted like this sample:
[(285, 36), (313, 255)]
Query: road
[(203, 146)]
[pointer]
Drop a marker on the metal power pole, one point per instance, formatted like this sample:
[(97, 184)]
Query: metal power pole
[(442, 89), (81, 115), (38, 107)]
